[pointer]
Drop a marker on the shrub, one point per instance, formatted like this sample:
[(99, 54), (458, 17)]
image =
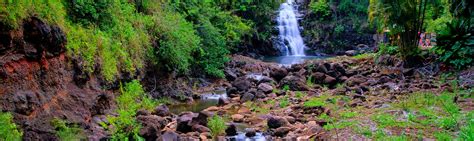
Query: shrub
[(67, 133), (132, 99), (386, 49), (217, 125), (89, 12), (455, 44), (8, 129), (12, 13), (320, 8)]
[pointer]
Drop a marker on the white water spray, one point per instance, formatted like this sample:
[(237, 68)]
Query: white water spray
[(289, 33)]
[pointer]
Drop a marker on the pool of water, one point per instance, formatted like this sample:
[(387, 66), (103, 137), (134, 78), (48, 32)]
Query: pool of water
[(207, 100), (290, 60)]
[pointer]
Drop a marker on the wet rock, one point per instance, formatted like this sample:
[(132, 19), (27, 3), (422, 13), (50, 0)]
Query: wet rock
[(295, 83), (162, 110), (265, 87), (231, 90), (222, 101), (230, 75), (278, 73), (200, 128), (247, 97), (275, 122), (242, 84), (151, 126), (231, 130), (250, 132), (237, 118), (281, 131)]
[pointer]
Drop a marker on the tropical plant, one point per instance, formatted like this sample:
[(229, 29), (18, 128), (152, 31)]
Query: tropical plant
[(217, 125), (67, 132)]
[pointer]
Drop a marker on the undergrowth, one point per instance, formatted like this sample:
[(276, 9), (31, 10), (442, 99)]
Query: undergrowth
[(8, 129)]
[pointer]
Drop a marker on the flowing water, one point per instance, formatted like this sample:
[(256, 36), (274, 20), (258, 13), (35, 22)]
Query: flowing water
[(207, 100), (289, 34)]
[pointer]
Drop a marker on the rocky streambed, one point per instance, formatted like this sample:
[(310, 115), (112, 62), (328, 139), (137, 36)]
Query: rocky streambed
[(337, 98)]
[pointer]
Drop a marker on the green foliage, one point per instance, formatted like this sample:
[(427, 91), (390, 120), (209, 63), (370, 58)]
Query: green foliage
[(12, 13), (217, 125), (89, 12), (467, 131), (387, 120), (455, 44), (8, 129), (386, 49), (299, 94), (320, 8), (67, 133), (339, 29), (132, 99), (286, 88)]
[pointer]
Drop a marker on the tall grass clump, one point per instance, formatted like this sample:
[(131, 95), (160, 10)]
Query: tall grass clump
[(217, 125)]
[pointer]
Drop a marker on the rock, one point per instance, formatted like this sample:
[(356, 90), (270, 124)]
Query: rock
[(151, 126), (318, 76), (282, 131), (260, 95), (250, 132), (329, 80), (350, 52), (384, 79), (321, 68), (244, 110), (295, 83), (242, 84), (143, 112), (230, 75), (355, 80), (278, 73), (237, 117), (231, 130), (201, 118), (162, 110), (290, 119), (169, 136), (184, 122), (223, 101), (200, 128), (276, 122), (231, 90), (247, 97), (265, 87)]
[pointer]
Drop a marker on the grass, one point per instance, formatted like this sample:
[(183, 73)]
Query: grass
[(316, 102), (217, 125), (8, 129), (259, 108), (299, 94), (387, 120), (284, 102), (364, 56), (68, 132)]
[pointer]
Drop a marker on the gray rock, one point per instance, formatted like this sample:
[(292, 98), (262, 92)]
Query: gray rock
[(265, 87), (247, 97)]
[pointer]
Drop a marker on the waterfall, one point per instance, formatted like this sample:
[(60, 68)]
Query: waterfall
[(289, 34)]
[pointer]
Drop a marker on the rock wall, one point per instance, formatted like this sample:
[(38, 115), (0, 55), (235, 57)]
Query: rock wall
[(37, 82)]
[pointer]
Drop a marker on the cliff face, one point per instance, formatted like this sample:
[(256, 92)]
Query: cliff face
[(336, 26), (38, 82)]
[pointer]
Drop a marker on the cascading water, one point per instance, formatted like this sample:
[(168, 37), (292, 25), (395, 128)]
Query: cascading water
[(289, 34)]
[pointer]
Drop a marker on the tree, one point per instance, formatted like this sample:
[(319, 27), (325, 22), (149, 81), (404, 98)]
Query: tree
[(404, 18)]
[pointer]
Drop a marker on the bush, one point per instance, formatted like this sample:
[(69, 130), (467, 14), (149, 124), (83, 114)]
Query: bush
[(12, 13), (67, 133), (89, 12), (455, 44), (132, 99), (217, 125), (320, 8), (386, 49), (8, 129)]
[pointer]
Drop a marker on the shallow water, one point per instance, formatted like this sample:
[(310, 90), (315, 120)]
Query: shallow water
[(207, 100), (290, 60)]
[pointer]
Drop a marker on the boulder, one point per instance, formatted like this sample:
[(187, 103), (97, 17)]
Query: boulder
[(169, 136), (242, 84), (231, 130), (184, 122), (230, 75), (276, 122), (329, 80), (151, 126), (200, 128), (295, 83), (237, 118), (265, 87), (247, 97), (320, 68), (250, 132), (162, 110), (282, 131), (278, 73)]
